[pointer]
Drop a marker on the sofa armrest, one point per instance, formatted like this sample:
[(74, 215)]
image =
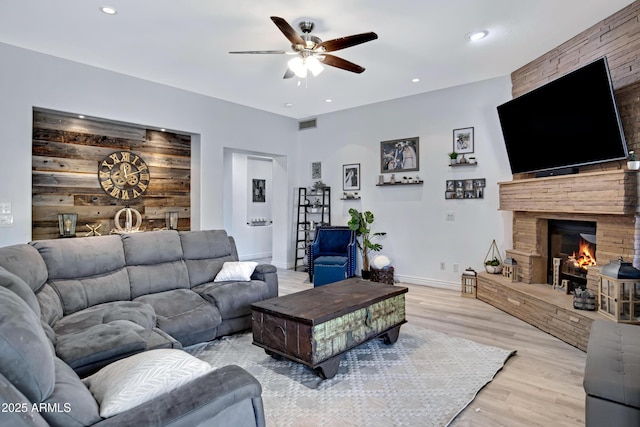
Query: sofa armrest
[(269, 274), (226, 396)]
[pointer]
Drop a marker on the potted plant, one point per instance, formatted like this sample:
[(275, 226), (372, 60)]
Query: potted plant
[(632, 162), (493, 260), (360, 222), (453, 156), (493, 265)]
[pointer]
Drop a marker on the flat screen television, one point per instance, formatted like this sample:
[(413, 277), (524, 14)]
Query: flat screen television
[(570, 122)]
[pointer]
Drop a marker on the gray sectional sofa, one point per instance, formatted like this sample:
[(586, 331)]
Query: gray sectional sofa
[(69, 307)]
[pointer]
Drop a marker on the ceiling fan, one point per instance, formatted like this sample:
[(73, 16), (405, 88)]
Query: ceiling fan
[(311, 52)]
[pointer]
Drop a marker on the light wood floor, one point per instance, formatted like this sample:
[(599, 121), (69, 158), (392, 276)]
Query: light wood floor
[(540, 386)]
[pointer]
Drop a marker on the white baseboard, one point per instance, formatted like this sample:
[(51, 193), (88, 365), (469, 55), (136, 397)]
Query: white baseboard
[(434, 283), (249, 257)]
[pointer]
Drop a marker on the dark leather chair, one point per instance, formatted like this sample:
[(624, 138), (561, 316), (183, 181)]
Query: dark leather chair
[(332, 255)]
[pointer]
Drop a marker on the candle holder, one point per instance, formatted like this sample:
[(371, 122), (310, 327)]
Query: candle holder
[(67, 224), (171, 220)]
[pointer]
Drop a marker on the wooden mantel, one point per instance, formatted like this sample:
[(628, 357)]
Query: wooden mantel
[(610, 192)]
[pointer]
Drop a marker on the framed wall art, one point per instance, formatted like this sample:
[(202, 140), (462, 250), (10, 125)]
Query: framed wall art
[(463, 140), (465, 188), (316, 170), (259, 190), (351, 177), (400, 155)]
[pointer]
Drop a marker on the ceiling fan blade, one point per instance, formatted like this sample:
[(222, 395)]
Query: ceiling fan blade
[(334, 61), (344, 42), (288, 30), (261, 51), (288, 74)]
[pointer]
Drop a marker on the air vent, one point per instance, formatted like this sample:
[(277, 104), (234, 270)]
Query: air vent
[(308, 124)]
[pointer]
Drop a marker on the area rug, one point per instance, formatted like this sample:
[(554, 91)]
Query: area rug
[(425, 379)]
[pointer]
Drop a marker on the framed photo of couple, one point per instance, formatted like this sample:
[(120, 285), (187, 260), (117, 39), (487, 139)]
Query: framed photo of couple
[(400, 155)]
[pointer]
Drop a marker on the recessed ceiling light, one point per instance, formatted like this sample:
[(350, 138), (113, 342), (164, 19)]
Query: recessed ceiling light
[(163, 130), (328, 100), (478, 35), (288, 104), (108, 10), (80, 116), (416, 80)]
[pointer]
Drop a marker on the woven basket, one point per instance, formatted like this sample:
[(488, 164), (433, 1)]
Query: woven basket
[(384, 275)]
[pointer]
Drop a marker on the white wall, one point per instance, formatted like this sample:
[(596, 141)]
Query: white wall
[(29, 79), (253, 242), (414, 216), (419, 237)]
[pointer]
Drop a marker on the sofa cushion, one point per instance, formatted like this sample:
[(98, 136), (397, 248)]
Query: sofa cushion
[(24, 261), (184, 315), (236, 271), (10, 397), (135, 380), (74, 404), (81, 293), (85, 271), (81, 256), (50, 305), (154, 262), (99, 344), (612, 369), (205, 252), (234, 299), (26, 355), (16, 285), (136, 312)]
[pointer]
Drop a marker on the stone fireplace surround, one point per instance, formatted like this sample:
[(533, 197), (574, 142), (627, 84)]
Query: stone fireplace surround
[(607, 197)]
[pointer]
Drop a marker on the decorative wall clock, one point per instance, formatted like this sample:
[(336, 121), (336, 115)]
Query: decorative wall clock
[(123, 175)]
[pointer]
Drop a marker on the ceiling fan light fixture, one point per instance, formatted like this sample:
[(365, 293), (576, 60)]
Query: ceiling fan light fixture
[(298, 66), (314, 65)]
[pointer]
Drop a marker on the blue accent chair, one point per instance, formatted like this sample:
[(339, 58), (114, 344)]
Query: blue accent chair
[(332, 255)]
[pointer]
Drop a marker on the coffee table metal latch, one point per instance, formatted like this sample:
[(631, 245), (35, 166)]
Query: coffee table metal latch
[(367, 318)]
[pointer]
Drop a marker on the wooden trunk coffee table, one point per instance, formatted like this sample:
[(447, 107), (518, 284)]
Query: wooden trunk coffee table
[(314, 327)]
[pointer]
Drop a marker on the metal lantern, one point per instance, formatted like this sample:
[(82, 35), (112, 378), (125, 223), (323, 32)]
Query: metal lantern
[(510, 269), (469, 283), (619, 292), (67, 224)]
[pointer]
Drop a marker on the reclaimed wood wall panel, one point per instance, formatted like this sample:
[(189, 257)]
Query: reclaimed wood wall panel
[(66, 151), (617, 38)]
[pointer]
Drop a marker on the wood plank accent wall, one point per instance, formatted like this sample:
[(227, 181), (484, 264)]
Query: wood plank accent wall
[(66, 151), (617, 37)]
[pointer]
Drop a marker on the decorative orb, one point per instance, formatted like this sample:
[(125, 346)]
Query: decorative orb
[(381, 261)]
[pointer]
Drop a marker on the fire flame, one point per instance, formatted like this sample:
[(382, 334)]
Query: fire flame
[(584, 258)]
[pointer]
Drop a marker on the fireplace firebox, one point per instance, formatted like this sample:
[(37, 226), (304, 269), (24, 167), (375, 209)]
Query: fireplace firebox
[(572, 249)]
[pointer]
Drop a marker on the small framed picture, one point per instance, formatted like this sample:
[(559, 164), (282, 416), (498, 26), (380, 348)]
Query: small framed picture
[(400, 155), (463, 140), (259, 190), (351, 177), (316, 170)]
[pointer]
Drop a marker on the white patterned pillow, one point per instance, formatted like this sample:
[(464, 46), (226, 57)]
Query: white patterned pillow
[(236, 270), (130, 382)]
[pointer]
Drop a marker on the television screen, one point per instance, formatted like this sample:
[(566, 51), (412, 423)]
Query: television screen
[(572, 121)]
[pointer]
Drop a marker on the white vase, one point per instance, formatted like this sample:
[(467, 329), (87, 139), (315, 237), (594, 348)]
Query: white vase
[(633, 165)]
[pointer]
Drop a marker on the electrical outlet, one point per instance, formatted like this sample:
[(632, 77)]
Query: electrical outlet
[(5, 208), (451, 216), (442, 265), (455, 267)]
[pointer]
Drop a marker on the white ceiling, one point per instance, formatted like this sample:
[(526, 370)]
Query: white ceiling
[(185, 43)]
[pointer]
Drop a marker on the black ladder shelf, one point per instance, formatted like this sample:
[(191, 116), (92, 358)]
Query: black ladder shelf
[(314, 209)]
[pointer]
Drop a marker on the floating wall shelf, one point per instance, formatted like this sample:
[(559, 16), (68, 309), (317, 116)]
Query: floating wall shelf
[(387, 184)]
